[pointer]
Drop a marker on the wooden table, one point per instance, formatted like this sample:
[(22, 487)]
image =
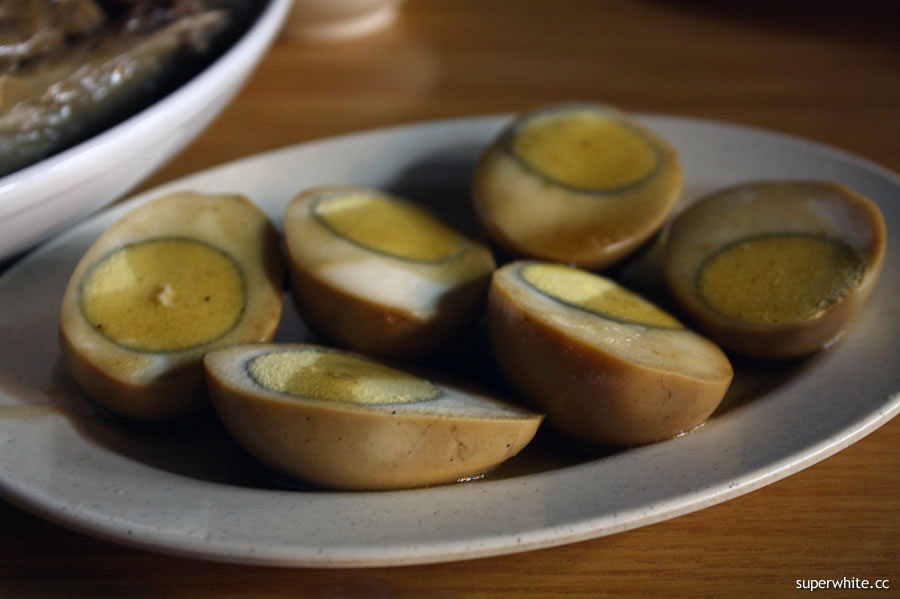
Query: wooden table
[(826, 71)]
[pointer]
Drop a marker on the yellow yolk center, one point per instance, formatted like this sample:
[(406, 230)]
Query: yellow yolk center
[(164, 294), (585, 149), (337, 377), (595, 294), (389, 226), (779, 279)]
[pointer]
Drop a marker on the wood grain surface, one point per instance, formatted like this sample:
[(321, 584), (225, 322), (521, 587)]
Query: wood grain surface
[(827, 71)]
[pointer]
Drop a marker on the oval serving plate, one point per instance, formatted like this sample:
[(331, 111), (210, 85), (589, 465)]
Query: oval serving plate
[(190, 491)]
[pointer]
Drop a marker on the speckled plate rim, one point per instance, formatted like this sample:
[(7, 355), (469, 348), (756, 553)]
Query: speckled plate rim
[(51, 468)]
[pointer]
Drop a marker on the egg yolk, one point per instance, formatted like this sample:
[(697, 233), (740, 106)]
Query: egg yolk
[(337, 377), (595, 294), (388, 226), (778, 279), (164, 294), (585, 149)]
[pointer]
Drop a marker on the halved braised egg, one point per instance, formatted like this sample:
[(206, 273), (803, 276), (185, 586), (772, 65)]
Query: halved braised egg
[(341, 420), (775, 269), (169, 281), (581, 184), (379, 274), (604, 364)]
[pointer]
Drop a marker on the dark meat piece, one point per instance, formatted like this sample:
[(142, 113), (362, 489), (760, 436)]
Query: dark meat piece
[(34, 28)]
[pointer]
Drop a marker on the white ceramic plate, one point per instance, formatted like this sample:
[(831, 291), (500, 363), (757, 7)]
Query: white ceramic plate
[(43, 198), (192, 492)]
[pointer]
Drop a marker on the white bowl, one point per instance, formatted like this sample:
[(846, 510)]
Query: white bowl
[(41, 199)]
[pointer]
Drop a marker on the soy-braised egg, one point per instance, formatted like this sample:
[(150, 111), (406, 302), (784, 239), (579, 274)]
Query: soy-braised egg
[(377, 273), (581, 184), (341, 420), (171, 280), (604, 364), (775, 269)]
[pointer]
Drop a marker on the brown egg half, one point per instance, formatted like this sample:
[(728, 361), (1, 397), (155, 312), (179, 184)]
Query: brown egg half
[(379, 274), (582, 184), (168, 282), (340, 420), (775, 269), (604, 364)]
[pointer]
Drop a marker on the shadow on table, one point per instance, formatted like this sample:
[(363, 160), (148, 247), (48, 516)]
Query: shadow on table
[(867, 20)]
